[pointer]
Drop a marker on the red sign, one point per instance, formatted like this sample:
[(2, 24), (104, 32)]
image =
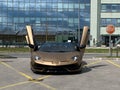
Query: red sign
[(110, 29)]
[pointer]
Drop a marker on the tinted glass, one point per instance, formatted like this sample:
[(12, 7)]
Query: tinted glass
[(58, 47)]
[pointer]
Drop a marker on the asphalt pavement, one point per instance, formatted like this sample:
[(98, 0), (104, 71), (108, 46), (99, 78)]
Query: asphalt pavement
[(98, 74)]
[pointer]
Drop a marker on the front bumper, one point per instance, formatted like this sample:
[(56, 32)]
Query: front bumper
[(60, 69)]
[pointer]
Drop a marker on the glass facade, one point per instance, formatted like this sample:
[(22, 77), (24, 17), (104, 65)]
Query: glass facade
[(55, 15)]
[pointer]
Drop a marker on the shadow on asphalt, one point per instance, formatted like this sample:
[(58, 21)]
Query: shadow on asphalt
[(97, 66), (85, 70), (88, 69)]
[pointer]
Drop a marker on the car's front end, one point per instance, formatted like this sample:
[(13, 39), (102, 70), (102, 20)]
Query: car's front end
[(56, 61)]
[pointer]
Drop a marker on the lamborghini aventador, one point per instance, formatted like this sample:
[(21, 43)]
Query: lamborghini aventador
[(55, 56)]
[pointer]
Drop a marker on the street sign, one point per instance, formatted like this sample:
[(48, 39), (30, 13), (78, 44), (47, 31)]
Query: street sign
[(110, 29)]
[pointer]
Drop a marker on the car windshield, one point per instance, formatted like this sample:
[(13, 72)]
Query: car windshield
[(58, 47)]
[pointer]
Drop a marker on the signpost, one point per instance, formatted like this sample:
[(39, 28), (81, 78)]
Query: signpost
[(110, 29)]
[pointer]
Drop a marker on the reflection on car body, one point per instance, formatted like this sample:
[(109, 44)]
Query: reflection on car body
[(56, 57)]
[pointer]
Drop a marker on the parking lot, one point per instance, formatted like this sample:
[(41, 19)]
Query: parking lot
[(98, 74)]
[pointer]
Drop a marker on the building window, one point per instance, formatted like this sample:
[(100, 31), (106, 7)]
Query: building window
[(110, 8), (114, 21)]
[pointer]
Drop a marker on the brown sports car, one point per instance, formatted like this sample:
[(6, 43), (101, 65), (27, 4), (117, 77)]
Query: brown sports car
[(56, 57)]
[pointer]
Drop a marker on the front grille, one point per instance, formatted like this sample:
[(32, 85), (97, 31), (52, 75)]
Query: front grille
[(65, 68)]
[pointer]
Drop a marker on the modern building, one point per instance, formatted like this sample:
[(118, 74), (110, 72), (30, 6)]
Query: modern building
[(65, 18), (103, 13), (60, 16)]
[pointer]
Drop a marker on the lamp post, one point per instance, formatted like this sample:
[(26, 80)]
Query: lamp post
[(78, 24), (46, 33)]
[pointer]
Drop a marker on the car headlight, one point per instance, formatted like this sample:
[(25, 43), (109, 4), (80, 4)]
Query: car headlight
[(37, 58), (75, 58)]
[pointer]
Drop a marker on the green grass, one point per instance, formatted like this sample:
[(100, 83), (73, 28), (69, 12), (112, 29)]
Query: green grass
[(17, 49), (97, 50)]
